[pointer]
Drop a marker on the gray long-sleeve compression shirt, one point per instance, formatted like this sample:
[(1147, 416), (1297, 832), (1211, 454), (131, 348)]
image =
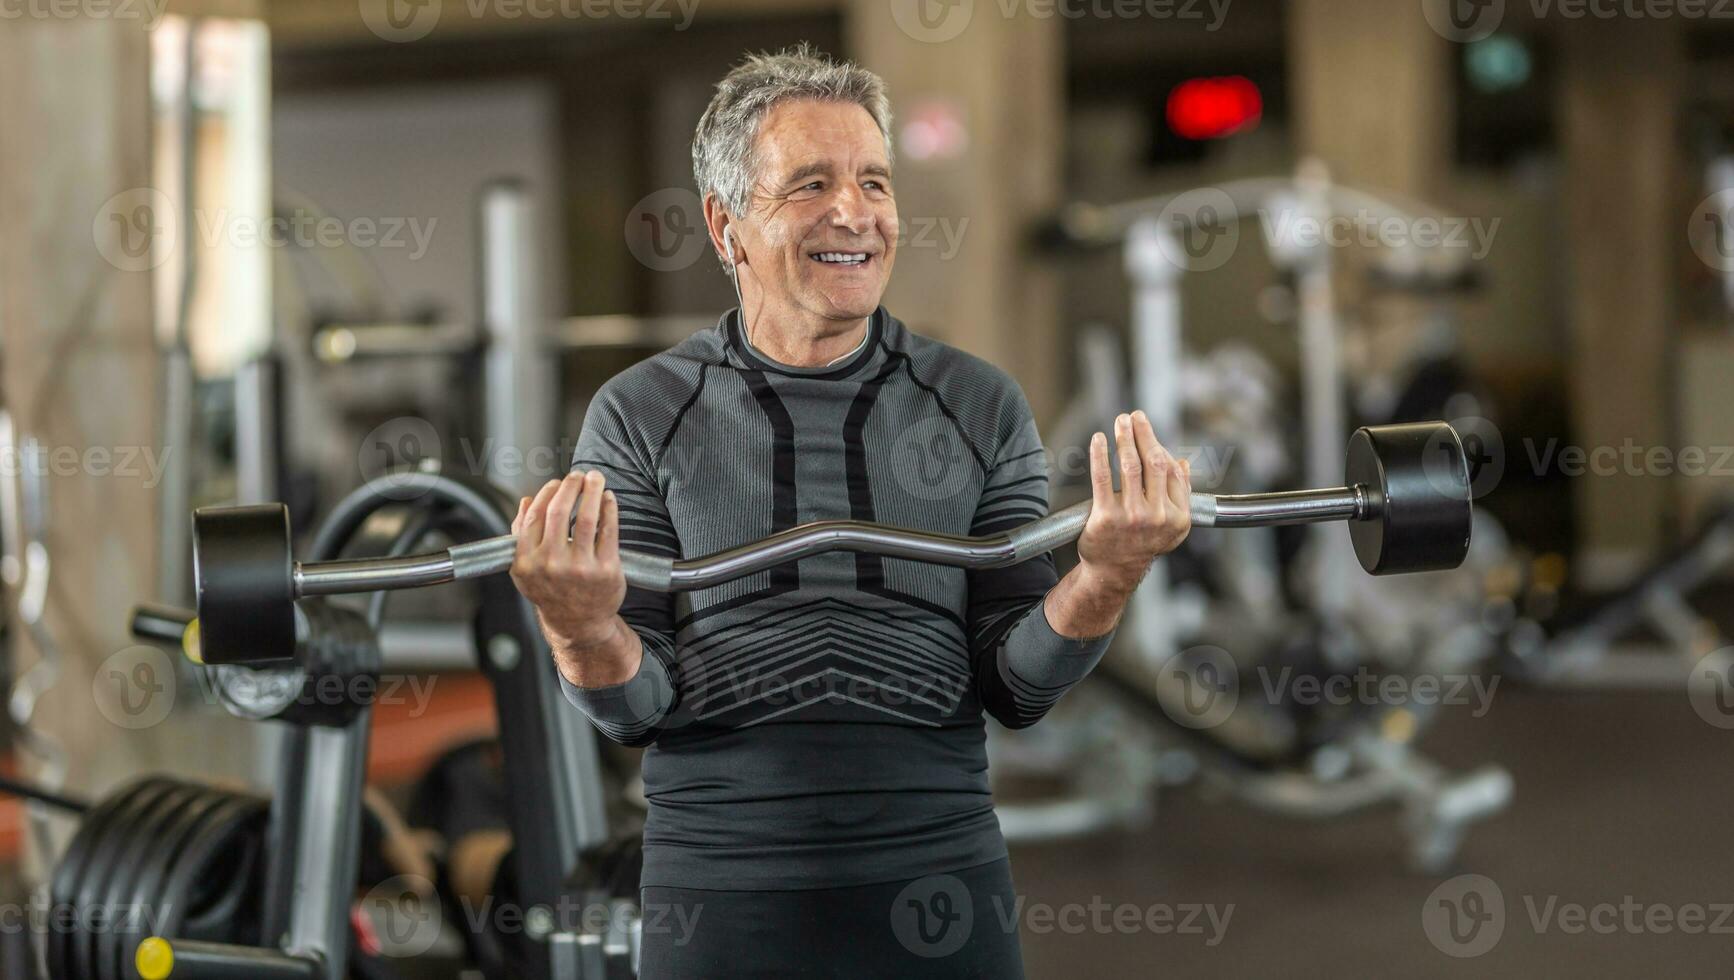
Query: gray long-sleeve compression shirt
[(821, 724)]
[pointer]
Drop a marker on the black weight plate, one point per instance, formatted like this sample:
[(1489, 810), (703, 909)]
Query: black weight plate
[(80, 856), (140, 886), (245, 581), (1417, 476), (222, 878), (115, 860)]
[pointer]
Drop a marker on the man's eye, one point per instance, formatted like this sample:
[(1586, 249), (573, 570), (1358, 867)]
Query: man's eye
[(814, 186)]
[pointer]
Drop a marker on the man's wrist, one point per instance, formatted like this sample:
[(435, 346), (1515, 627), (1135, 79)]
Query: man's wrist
[(603, 660), (1111, 585)]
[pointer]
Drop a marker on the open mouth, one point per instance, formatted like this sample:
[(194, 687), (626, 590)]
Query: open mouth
[(843, 260)]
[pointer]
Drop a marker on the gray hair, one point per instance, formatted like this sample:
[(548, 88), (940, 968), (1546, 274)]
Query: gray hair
[(722, 147)]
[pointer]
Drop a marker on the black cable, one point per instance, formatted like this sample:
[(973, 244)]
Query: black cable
[(12, 787)]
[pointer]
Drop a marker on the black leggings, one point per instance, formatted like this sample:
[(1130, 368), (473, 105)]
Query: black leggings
[(954, 925)]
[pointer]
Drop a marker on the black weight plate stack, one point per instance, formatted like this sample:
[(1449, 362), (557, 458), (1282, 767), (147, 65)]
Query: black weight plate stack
[(161, 857)]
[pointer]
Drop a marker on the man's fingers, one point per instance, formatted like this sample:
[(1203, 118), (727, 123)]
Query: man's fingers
[(608, 534), (1101, 478), (518, 522), (1154, 456), (557, 527), (1131, 466), (1180, 486), (535, 516), (589, 513)]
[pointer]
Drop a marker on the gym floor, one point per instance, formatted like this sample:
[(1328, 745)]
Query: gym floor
[(1612, 802), (1600, 816)]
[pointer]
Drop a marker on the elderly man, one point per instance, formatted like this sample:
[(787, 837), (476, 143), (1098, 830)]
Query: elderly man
[(816, 771)]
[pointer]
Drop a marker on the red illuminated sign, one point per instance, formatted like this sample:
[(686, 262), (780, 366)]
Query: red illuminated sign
[(1211, 108)]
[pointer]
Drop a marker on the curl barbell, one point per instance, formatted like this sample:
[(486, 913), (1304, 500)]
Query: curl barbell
[(1406, 501)]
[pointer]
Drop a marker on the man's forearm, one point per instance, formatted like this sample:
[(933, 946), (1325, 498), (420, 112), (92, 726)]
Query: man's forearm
[(1086, 604), (613, 660)]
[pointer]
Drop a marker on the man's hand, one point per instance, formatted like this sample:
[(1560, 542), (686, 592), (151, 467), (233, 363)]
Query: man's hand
[(568, 566), (1148, 518)]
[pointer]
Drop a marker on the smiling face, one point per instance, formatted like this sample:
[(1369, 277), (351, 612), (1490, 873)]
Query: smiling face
[(820, 235)]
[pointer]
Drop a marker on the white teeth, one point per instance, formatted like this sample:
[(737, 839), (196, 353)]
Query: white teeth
[(843, 258)]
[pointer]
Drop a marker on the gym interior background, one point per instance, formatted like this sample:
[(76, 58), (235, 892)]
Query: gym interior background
[(269, 250)]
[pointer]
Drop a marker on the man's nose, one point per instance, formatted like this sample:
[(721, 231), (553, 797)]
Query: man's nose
[(850, 210)]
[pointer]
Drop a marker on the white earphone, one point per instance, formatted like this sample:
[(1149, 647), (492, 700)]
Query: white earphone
[(735, 278)]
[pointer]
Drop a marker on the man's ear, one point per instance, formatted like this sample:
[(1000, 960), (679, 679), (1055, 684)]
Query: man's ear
[(721, 229)]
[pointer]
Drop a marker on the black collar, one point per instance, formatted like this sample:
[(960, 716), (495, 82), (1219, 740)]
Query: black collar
[(737, 340)]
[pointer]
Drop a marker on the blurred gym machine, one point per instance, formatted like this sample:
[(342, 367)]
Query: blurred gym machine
[(264, 888), (1218, 407)]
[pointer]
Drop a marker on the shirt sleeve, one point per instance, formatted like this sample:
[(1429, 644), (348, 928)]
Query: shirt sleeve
[(631, 712), (1022, 666)]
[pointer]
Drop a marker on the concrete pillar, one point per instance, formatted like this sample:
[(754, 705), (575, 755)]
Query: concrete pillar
[(1371, 90), (1619, 89), (985, 92), (77, 216), (80, 364)]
